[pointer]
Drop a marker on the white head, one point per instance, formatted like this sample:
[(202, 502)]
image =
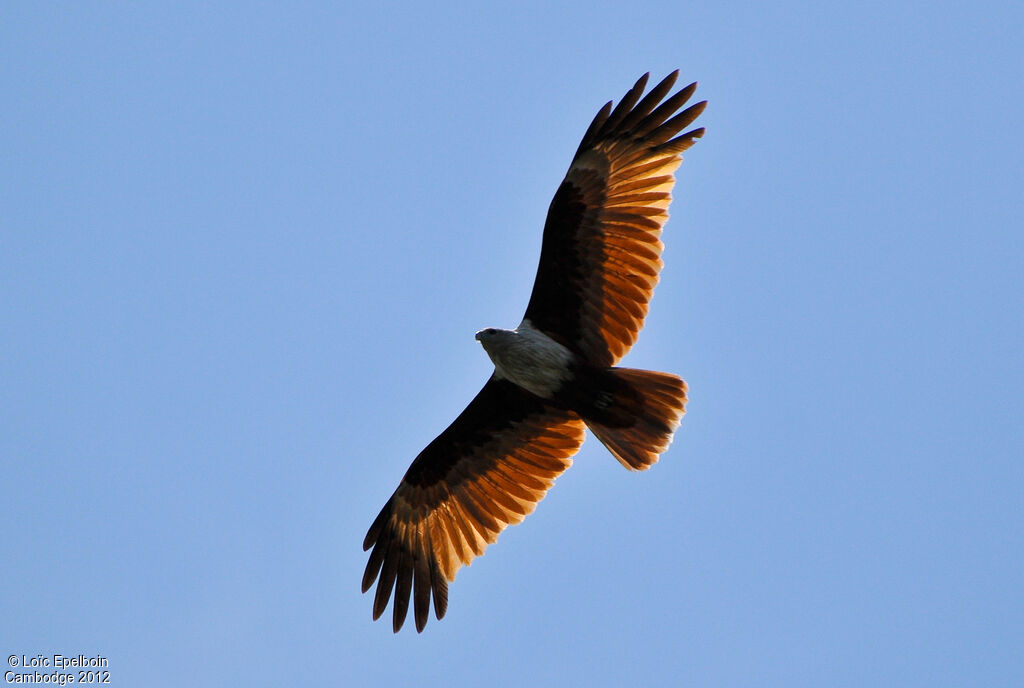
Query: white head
[(493, 338), (527, 357), (486, 334)]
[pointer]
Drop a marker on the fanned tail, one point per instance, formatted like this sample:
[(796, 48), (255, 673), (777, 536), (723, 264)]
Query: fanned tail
[(636, 418)]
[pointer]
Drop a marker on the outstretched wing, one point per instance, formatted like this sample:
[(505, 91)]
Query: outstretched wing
[(488, 470), (601, 253)]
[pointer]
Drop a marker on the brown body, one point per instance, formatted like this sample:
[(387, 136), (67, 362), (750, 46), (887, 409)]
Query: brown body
[(555, 374)]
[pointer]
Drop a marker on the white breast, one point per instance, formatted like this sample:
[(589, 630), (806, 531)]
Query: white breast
[(529, 358)]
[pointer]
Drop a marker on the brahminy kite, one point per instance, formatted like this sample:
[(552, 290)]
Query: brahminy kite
[(555, 374)]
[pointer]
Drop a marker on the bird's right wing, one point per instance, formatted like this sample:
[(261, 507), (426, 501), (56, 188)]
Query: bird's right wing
[(487, 470)]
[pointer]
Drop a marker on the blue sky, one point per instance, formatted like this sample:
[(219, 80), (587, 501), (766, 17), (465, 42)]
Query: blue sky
[(243, 252)]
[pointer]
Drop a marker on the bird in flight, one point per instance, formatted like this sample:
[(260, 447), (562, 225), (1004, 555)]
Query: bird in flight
[(555, 373)]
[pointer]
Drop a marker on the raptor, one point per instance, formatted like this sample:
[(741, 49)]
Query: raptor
[(555, 374)]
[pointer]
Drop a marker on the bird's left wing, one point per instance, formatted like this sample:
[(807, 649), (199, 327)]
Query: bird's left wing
[(601, 253), (487, 470)]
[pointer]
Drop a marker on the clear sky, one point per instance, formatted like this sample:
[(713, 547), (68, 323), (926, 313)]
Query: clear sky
[(244, 248)]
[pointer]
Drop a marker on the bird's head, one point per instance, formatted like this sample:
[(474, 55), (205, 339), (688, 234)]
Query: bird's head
[(486, 335), (493, 340)]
